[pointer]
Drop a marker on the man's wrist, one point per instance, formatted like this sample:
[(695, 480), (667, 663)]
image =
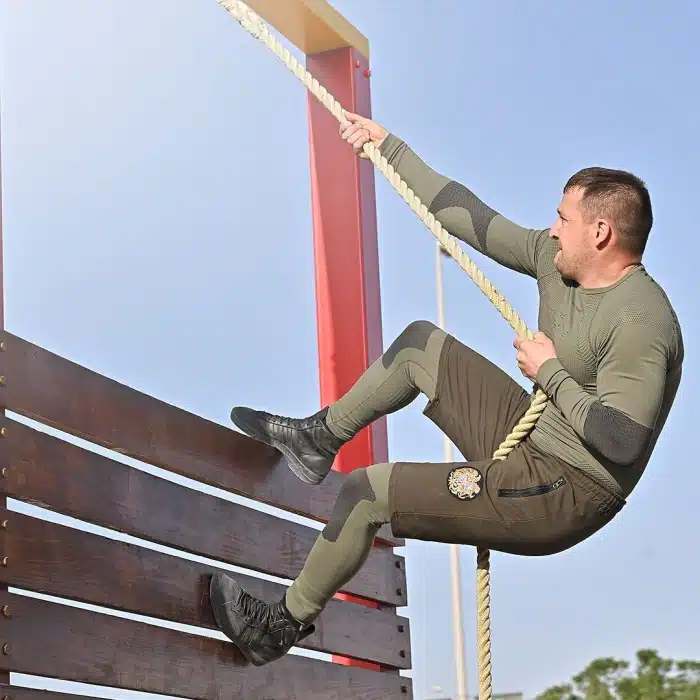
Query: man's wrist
[(547, 373), (390, 146)]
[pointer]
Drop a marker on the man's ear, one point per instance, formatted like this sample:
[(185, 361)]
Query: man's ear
[(603, 233)]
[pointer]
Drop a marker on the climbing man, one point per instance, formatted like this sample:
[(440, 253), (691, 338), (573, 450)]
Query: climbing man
[(608, 356)]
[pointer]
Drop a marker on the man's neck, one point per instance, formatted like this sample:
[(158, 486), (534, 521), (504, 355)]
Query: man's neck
[(605, 277)]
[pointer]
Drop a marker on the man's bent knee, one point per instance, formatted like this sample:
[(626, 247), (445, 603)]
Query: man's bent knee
[(415, 336), (355, 488)]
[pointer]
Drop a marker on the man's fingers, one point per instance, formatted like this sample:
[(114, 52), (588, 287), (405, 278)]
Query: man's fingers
[(359, 138), (353, 120), (351, 130)]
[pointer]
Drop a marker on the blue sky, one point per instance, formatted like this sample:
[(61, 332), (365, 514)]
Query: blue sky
[(157, 229)]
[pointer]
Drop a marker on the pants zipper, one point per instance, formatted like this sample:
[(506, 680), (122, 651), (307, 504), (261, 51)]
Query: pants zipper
[(532, 490)]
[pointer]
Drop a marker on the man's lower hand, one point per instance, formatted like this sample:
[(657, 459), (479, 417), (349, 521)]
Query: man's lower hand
[(532, 354)]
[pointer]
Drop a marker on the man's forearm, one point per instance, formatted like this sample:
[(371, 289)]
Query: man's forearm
[(607, 430), (462, 213)]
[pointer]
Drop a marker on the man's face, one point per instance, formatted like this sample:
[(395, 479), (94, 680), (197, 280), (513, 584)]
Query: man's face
[(575, 236)]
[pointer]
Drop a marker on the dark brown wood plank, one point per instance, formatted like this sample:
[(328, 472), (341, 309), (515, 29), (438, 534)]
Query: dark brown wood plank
[(54, 559), (4, 677), (48, 639), (16, 692), (44, 470), (53, 390)]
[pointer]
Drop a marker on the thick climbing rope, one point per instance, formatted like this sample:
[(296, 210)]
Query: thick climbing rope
[(254, 25)]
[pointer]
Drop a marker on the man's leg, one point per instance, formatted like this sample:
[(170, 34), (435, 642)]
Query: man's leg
[(530, 504), (409, 367), (266, 631), (342, 547)]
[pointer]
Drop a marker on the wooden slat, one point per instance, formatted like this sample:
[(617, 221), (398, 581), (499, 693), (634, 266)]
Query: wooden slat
[(60, 393), (16, 692), (58, 560), (55, 474), (4, 677), (49, 639)]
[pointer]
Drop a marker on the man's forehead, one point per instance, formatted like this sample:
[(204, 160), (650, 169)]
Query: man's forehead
[(571, 199)]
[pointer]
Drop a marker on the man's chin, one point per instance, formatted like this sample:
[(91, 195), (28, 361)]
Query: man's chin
[(561, 269)]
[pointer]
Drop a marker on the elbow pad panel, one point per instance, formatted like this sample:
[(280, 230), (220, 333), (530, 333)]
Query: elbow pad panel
[(616, 436), (453, 194)]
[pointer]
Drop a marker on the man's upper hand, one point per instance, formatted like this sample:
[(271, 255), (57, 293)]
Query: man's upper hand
[(358, 130), (532, 354)]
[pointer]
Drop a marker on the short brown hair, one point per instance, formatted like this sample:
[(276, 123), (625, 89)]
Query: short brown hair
[(622, 197)]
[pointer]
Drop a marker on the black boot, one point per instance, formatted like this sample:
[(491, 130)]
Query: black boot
[(262, 631), (307, 443)]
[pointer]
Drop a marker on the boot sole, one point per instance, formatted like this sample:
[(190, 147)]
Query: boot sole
[(217, 603), (297, 467)]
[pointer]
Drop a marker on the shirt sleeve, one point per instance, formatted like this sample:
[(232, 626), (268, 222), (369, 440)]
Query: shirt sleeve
[(464, 215), (618, 420)]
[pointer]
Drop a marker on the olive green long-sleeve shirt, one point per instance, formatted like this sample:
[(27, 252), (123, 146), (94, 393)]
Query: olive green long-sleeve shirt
[(619, 348)]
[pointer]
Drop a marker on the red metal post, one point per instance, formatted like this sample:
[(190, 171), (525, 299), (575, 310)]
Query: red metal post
[(345, 247)]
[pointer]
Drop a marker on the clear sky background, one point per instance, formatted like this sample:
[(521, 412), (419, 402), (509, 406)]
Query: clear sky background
[(157, 229)]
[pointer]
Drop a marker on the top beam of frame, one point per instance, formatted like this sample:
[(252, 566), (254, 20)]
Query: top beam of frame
[(311, 25)]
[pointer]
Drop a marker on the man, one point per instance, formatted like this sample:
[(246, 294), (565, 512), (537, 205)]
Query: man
[(608, 355)]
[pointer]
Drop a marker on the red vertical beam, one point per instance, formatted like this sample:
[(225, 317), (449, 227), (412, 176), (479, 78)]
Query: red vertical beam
[(345, 247)]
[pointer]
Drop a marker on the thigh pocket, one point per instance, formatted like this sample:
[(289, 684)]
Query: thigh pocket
[(541, 501), (532, 490)]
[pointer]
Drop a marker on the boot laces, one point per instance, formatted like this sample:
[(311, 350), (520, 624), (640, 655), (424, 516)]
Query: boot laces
[(299, 423), (261, 614)]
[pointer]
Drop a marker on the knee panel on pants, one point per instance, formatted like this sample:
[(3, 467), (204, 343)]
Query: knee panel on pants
[(356, 488), (414, 336)]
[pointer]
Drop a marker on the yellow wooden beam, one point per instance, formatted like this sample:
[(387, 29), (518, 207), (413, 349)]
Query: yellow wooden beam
[(311, 25)]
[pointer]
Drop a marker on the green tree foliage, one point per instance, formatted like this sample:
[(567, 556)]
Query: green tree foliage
[(653, 678)]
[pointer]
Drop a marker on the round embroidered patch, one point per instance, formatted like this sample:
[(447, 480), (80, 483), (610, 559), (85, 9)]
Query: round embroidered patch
[(463, 483)]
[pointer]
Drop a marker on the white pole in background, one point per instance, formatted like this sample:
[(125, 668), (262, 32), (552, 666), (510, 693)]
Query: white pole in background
[(458, 631)]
